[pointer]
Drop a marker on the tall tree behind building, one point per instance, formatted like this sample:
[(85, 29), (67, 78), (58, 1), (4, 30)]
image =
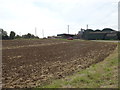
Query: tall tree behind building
[(12, 35)]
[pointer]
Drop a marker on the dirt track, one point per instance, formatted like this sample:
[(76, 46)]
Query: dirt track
[(31, 63)]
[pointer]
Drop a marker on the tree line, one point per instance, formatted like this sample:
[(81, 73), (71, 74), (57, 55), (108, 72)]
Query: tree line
[(13, 35)]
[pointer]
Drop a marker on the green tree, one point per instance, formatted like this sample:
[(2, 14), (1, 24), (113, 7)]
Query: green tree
[(29, 35), (12, 35), (17, 36), (3, 35)]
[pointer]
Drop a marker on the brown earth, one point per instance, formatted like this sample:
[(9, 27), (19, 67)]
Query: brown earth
[(31, 63)]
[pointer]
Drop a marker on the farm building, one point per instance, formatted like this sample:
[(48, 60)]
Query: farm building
[(99, 35), (54, 37), (65, 36), (80, 34)]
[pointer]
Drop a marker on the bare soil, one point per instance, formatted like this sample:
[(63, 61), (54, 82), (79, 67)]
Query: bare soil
[(31, 63)]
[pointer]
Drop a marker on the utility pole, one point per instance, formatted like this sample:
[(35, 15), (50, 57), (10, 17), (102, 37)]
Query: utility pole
[(43, 33), (68, 29), (35, 31), (119, 16), (20, 33), (87, 26)]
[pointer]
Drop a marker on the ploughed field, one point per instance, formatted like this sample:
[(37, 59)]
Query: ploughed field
[(32, 63)]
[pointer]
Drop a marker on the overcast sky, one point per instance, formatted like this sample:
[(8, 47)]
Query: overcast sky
[(53, 16)]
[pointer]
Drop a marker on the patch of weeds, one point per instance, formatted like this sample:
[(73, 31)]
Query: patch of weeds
[(107, 69), (111, 82), (107, 75), (93, 66), (55, 84), (52, 86), (113, 62), (80, 80)]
